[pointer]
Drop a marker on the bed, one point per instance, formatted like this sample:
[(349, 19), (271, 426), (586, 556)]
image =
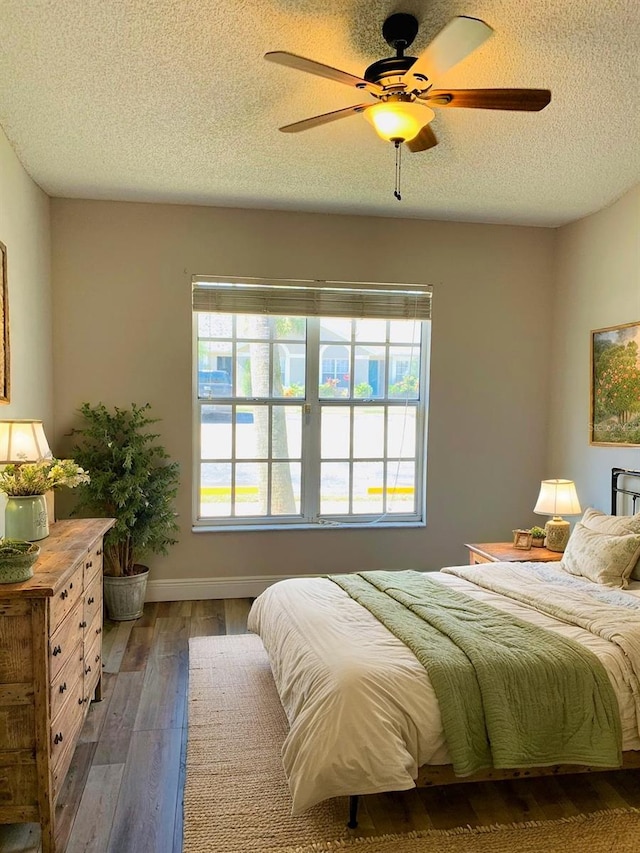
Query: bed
[(363, 712)]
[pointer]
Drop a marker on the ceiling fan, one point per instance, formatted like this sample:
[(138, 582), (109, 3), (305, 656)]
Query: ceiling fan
[(402, 86)]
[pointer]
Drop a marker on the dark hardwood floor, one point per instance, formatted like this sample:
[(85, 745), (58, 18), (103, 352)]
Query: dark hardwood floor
[(123, 792)]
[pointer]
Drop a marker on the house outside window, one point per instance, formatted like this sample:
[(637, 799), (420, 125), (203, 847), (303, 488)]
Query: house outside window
[(304, 419)]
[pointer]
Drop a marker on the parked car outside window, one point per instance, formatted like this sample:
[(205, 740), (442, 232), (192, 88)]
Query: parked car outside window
[(213, 383)]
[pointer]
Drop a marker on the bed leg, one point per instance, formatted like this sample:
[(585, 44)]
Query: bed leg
[(353, 811)]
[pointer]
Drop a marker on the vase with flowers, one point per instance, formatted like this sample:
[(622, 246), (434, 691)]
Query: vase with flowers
[(26, 485)]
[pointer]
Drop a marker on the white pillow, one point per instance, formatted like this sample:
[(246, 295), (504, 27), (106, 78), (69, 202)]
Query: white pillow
[(601, 557), (616, 524)]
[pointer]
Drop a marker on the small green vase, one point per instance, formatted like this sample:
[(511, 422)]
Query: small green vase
[(26, 517)]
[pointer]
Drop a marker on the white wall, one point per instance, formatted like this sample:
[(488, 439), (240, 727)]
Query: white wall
[(24, 229), (122, 325), (597, 285)]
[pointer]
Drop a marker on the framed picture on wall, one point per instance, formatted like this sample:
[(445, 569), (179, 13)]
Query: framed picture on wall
[(4, 327), (615, 386)]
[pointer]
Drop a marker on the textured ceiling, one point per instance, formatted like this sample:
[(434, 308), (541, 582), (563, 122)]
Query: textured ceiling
[(171, 100)]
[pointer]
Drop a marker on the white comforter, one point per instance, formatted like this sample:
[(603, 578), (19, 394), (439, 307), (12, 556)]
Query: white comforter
[(362, 712)]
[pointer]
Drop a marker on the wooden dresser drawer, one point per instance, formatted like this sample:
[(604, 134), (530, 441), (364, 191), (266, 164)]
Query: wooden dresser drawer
[(92, 599), (64, 640), (66, 597), (478, 560), (93, 564), (68, 724), (93, 630), (92, 668), (67, 720), (64, 680)]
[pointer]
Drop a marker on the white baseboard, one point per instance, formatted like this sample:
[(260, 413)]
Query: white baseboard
[(194, 589)]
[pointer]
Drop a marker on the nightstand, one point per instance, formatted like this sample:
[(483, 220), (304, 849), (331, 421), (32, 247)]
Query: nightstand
[(504, 552)]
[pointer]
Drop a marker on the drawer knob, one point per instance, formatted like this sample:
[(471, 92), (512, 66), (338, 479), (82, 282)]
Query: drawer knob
[(90, 600), (64, 594), (87, 670), (57, 650), (97, 658), (98, 630), (80, 701), (83, 624), (98, 552), (71, 585), (63, 687), (58, 738)]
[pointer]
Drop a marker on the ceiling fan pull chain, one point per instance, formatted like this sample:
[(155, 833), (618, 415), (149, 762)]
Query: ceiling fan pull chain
[(396, 192)]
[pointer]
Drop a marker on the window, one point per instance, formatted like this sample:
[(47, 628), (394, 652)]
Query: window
[(310, 403)]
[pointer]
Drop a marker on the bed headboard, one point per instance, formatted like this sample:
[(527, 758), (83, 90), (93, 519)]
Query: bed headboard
[(617, 489)]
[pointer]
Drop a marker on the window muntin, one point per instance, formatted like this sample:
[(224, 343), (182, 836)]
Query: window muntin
[(279, 446)]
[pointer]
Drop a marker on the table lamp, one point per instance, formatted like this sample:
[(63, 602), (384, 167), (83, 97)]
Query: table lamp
[(557, 498), (23, 441)]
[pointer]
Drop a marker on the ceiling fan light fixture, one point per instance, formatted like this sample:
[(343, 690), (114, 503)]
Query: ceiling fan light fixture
[(398, 121)]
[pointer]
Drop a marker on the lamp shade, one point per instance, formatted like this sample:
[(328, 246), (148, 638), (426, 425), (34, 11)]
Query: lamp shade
[(398, 120), (23, 441), (557, 497)]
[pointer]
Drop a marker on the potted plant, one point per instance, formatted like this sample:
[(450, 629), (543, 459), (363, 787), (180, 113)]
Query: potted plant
[(16, 560), (537, 536), (133, 482), (25, 486)]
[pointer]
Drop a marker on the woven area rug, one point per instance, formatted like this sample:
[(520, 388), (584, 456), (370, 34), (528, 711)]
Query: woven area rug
[(236, 796)]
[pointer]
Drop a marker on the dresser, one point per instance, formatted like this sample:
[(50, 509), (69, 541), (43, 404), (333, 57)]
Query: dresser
[(50, 669)]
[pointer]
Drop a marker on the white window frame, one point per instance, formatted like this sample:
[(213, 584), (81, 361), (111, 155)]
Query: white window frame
[(312, 407)]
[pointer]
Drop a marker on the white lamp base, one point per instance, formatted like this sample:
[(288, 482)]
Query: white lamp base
[(557, 533)]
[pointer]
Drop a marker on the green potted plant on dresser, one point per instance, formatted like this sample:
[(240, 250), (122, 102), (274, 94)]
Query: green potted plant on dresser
[(16, 560), (133, 481), (537, 536)]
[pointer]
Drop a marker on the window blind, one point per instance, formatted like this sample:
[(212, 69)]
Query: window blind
[(290, 298)]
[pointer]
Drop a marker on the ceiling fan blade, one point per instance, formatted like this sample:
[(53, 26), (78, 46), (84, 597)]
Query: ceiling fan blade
[(458, 39), (300, 63), (423, 141), (528, 100), (325, 118)]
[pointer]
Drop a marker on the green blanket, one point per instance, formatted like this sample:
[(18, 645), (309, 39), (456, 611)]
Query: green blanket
[(510, 694)]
